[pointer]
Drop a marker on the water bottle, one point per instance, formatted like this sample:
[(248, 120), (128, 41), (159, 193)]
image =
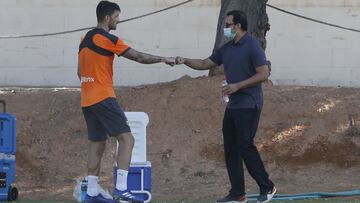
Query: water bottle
[(84, 185), (225, 97)]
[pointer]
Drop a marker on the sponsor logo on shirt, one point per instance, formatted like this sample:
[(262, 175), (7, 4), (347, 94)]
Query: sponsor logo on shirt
[(87, 79)]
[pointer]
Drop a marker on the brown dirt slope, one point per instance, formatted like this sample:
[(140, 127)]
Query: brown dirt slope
[(308, 139)]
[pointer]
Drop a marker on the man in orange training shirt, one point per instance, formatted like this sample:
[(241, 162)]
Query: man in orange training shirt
[(102, 113)]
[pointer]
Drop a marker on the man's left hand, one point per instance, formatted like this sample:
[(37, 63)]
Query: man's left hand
[(170, 61)]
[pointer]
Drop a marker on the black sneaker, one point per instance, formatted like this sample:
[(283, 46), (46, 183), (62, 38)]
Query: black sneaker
[(233, 199), (267, 196)]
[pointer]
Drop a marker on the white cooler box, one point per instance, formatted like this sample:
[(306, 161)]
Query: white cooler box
[(139, 177)]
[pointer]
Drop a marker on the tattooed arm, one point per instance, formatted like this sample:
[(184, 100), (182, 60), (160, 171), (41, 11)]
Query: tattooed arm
[(78, 71), (143, 58)]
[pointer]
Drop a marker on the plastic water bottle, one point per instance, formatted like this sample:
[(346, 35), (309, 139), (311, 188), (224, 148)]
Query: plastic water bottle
[(84, 185), (225, 97)]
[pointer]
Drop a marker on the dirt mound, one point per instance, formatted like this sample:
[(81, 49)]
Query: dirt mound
[(308, 138)]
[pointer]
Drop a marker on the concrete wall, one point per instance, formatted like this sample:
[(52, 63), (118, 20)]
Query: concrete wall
[(188, 30), (307, 53), (302, 52)]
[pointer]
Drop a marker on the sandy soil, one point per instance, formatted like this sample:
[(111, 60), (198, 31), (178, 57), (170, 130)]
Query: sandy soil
[(308, 138)]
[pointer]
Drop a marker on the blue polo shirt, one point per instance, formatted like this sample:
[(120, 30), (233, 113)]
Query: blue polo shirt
[(240, 61)]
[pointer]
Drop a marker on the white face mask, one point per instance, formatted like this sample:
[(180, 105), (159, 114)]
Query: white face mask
[(228, 33)]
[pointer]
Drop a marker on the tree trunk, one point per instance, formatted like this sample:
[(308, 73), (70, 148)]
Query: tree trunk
[(258, 23)]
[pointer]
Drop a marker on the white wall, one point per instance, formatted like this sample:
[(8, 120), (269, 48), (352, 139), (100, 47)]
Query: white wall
[(302, 52), (307, 53), (188, 30)]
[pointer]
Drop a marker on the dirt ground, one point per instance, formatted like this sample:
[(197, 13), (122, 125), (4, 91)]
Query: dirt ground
[(308, 138)]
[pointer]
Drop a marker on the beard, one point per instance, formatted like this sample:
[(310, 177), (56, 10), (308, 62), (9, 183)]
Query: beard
[(112, 26)]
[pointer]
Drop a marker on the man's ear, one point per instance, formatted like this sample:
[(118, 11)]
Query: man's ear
[(107, 18), (239, 25)]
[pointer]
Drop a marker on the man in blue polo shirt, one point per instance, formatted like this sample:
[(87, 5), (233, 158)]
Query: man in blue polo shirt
[(245, 68)]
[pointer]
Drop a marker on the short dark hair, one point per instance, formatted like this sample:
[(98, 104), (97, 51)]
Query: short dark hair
[(105, 8), (239, 17)]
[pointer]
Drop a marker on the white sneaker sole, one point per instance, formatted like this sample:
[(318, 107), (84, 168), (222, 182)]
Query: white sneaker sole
[(270, 196), (124, 201)]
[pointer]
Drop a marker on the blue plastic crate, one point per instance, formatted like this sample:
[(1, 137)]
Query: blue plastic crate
[(7, 133), (7, 155), (139, 180), (7, 175)]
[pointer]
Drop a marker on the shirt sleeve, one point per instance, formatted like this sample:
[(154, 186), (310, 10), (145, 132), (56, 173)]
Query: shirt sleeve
[(257, 55), (112, 44), (216, 57)]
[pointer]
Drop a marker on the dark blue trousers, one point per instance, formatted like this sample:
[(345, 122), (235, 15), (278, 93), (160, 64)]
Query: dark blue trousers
[(239, 129)]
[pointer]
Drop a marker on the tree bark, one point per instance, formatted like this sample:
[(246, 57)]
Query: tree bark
[(258, 23)]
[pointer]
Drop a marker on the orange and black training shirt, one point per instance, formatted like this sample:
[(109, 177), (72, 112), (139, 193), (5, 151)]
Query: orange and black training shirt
[(96, 56)]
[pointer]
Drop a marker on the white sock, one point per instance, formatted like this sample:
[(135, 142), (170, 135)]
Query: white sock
[(93, 186), (121, 179)]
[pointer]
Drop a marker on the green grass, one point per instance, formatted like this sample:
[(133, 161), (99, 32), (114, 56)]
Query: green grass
[(325, 200)]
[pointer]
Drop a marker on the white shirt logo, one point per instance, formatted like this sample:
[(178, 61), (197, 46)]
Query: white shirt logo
[(87, 79)]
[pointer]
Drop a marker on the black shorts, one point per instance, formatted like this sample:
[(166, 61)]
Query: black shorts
[(104, 119)]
